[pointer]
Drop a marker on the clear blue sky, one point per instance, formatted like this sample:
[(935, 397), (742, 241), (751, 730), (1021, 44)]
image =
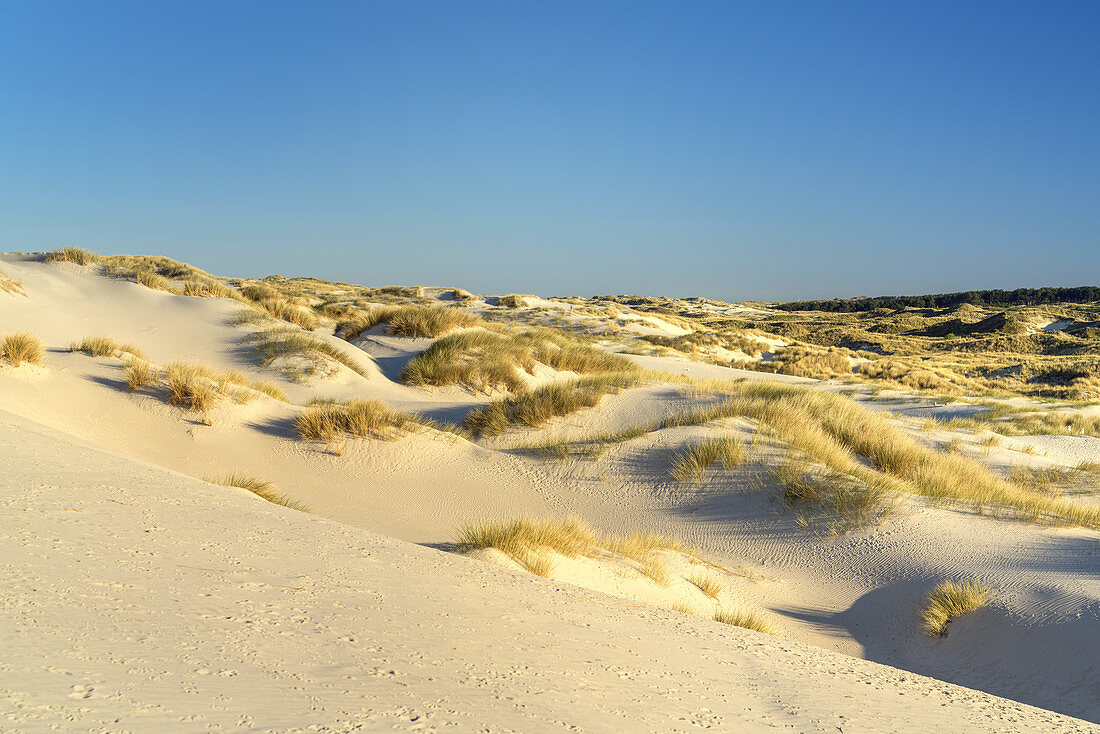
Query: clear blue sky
[(764, 150)]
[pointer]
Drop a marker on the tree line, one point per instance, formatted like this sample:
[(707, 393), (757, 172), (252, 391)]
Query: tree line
[(1018, 297)]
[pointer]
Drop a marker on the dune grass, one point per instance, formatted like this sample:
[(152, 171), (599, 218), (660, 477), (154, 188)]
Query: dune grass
[(140, 373), (261, 488), (409, 321), (849, 439), (103, 346), (20, 347), (950, 600), (706, 584), (273, 344), (9, 284), (357, 418), (270, 300), (535, 407), (492, 359), (200, 388), (750, 620), (836, 500), (77, 255), (690, 463), (203, 287), (526, 540), (152, 279)]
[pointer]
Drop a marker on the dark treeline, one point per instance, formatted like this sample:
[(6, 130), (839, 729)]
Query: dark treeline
[(1018, 297)]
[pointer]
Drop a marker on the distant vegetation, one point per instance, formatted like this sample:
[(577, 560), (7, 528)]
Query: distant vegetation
[(1018, 297)]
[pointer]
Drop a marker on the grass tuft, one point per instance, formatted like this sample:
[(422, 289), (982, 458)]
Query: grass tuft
[(103, 346), (691, 462), (20, 347), (261, 488), (842, 502), (409, 321), (535, 407), (750, 620), (140, 373), (274, 344), (950, 600), (706, 584), (358, 418), (77, 255)]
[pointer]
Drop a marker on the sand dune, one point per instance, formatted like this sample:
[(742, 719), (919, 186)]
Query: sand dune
[(433, 638)]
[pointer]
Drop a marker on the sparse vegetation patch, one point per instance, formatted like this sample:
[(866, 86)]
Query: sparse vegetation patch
[(950, 600), (20, 347)]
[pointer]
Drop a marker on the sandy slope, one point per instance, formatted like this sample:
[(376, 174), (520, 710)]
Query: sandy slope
[(1038, 642), (139, 600)]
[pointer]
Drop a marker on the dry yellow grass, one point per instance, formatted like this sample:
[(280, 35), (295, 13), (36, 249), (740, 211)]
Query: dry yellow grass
[(140, 373), (750, 620), (151, 279), (200, 388), (526, 538), (535, 407), (409, 321), (849, 439), (690, 463), (950, 600), (836, 500), (20, 347), (273, 344), (494, 359), (706, 584), (358, 418), (261, 488), (103, 346), (203, 287), (77, 255)]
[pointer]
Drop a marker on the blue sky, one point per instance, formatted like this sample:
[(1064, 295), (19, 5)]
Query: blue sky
[(732, 150)]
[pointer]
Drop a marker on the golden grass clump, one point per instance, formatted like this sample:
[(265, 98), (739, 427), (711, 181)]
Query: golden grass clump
[(202, 287), (750, 620), (152, 279), (280, 308), (261, 488), (358, 418), (706, 584), (409, 321), (20, 347), (950, 600), (569, 537), (484, 360), (140, 373), (836, 499), (274, 344), (77, 255), (527, 541), (103, 346), (535, 407), (691, 462), (200, 388), (512, 300)]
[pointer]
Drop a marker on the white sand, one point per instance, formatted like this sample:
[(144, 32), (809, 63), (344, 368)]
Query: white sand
[(522, 642), (140, 600)]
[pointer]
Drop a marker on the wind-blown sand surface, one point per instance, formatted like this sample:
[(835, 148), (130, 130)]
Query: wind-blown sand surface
[(433, 638), (141, 600)]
